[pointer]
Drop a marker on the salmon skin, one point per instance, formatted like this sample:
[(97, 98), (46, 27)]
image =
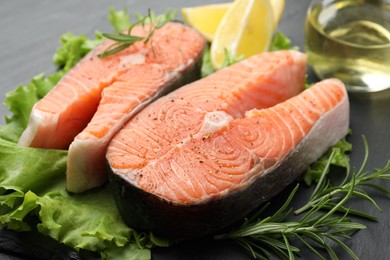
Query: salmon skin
[(67, 109), (207, 154)]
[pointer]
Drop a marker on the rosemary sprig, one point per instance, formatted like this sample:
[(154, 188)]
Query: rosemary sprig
[(321, 225), (362, 178), (275, 235), (124, 40)]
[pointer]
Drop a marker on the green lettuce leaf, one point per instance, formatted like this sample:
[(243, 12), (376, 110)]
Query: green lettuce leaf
[(20, 102), (281, 42), (23, 169), (230, 59), (73, 48), (168, 15), (26, 173), (129, 252), (15, 219), (120, 20), (87, 221), (340, 159), (207, 67)]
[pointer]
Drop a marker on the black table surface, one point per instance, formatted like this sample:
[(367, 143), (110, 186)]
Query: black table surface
[(29, 35)]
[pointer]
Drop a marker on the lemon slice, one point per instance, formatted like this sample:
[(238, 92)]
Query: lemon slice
[(206, 18), (246, 29)]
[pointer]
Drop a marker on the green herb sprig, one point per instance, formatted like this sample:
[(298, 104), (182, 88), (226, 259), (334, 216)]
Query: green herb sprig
[(325, 189), (124, 40), (327, 220)]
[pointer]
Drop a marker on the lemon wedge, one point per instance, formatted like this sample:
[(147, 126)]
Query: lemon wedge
[(206, 18), (246, 29)]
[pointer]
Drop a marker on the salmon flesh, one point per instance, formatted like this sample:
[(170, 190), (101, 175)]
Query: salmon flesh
[(207, 154)]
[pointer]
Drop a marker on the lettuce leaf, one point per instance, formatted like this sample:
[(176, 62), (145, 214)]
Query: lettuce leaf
[(207, 67), (120, 20), (83, 221), (20, 102), (25, 174), (16, 216), (280, 42), (340, 159), (129, 252), (73, 48), (87, 221), (25, 169)]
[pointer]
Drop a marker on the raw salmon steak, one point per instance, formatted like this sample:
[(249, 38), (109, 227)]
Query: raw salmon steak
[(67, 109), (206, 154)]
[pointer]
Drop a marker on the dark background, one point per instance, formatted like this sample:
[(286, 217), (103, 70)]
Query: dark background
[(29, 36)]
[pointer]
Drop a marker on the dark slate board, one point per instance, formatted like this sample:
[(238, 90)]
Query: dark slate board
[(29, 35)]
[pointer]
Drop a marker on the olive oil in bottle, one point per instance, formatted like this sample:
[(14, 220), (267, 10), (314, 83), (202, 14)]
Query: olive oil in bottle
[(350, 40)]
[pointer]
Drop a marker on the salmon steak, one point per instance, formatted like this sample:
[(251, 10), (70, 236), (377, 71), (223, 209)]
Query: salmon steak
[(99, 95), (207, 154)]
